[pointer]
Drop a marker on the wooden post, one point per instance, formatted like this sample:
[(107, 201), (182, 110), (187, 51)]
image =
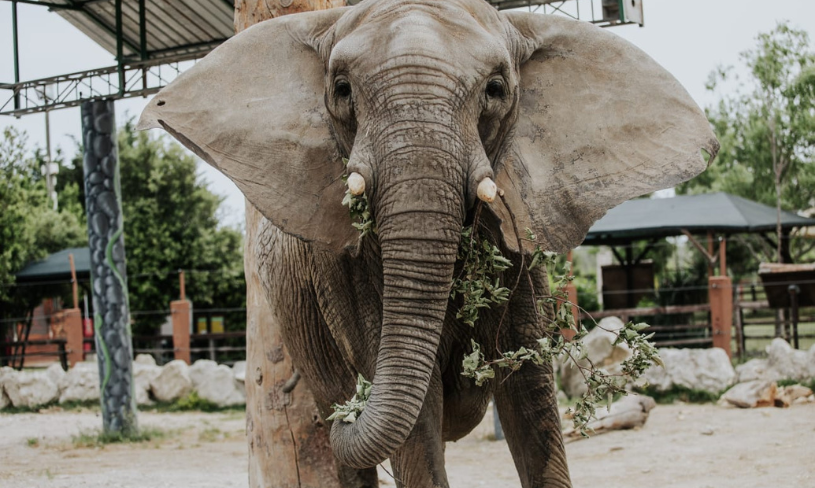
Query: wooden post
[(287, 447), (74, 337), (720, 290), (73, 281), (182, 319)]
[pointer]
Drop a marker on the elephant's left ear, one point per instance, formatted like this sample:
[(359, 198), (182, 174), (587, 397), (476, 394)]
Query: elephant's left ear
[(600, 122), (254, 109)]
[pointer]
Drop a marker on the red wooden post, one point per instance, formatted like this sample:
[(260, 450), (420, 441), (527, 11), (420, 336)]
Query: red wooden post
[(720, 290), (182, 323), (73, 336)]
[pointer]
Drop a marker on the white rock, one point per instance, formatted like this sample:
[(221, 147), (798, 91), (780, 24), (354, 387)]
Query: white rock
[(220, 387), (30, 388), (4, 399), (173, 382), (757, 393), (145, 360), (239, 370), (697, 369), (80, 383), (754, 369), (143, 375), (599, 344), (786, 362), (200, 372), (811, 362), (55, 373), (628, 413)]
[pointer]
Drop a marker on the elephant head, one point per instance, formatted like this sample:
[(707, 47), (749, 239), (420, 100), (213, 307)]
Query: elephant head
[(431, 102)]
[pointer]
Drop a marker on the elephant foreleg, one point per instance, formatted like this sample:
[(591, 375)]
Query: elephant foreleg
[(420, 460), (527, 407)]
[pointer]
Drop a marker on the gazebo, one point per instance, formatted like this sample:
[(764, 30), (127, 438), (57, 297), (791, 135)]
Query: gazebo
[(711, 215)]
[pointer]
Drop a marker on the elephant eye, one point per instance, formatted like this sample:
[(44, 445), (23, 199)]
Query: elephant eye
[(342, 89), (495, 89)]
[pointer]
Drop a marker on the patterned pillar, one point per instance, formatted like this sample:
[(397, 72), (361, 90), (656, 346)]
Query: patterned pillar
[(114, 348)]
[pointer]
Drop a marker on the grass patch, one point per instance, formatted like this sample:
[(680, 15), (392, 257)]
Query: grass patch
[(98, 439), (67, 406), (190, 403), (679, 393), (33, 442)]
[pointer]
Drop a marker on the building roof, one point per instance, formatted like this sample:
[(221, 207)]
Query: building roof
[(57, 267), (661, 217)]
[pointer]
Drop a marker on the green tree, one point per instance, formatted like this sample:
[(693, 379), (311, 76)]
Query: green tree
[(30, 228), (170, 220), (766, 126)]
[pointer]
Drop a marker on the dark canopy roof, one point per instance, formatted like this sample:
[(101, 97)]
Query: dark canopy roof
[(661, 217), (177, 28), (57, 267)]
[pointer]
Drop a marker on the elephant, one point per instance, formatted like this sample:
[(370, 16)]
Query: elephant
[(432, 111)]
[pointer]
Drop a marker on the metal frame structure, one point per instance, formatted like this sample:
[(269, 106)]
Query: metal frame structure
[(150, 38)]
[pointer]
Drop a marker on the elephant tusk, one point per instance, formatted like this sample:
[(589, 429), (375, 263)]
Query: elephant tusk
[(487, 190), (356, 184)]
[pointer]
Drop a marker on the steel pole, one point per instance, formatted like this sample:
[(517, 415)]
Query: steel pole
[(111, 316)]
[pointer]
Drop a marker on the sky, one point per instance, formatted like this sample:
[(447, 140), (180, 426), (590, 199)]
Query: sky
[(690, 38)]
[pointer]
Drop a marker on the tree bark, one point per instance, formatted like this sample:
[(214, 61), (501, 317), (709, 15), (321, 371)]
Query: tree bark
[(286, 447)]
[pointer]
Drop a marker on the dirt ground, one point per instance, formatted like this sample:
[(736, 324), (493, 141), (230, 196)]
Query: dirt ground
[(694, 446)]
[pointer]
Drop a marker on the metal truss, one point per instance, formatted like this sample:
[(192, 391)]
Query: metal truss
[(139, 79)]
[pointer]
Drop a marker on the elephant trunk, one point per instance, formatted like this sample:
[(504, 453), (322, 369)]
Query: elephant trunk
[(420, 222)]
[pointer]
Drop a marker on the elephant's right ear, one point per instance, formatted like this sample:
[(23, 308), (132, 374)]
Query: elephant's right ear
[(254, 109)]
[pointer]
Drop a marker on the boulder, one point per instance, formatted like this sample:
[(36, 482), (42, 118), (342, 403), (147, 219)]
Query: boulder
[(145, 360), (754, 369), (784, 362), (239, 369), (30, 388), (628, 413), (173, 382), (200, 372), (55, 373), (789, 394), (218, 385), (697, 369), (4, 399), (80, 383), (144, 372), (752, 394), (601, 351)]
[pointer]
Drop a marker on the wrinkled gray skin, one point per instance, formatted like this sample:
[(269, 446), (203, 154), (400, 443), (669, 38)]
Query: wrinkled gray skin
[(386, 313), (426, 99)]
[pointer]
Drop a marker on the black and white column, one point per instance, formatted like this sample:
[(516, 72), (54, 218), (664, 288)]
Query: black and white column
[(114, 347)]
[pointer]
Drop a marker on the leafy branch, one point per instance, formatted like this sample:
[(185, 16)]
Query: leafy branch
[(350, 410), (478, 283), (602, 386)]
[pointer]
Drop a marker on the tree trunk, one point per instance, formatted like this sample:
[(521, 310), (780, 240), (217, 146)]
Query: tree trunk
[(286, 447)]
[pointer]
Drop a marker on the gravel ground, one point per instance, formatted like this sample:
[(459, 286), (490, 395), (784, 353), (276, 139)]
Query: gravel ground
[(693, 446)]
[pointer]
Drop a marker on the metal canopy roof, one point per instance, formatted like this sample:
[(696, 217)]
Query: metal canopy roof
[(57, 266), (662, 217), (172, 28)]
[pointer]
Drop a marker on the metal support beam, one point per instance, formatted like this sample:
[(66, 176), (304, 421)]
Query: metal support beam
[(50, 5), (142, 31), (120, 47), (16, 48)]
